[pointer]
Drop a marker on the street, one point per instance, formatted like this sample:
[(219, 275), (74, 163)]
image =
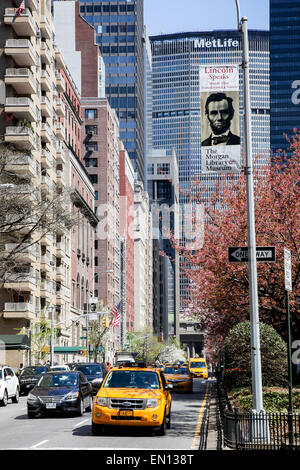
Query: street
[(72, 432)]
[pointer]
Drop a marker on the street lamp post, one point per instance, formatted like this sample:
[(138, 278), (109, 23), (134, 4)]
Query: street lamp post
[(254, 317)]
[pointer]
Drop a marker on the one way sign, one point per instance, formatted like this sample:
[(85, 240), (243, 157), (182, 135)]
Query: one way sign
[(238, 254)]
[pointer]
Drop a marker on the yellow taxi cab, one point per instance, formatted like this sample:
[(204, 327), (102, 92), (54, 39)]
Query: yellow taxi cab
[(198, 367), (133, 395), (179, 377)]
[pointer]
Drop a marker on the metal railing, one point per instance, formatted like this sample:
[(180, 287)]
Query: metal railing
[(256, 431)]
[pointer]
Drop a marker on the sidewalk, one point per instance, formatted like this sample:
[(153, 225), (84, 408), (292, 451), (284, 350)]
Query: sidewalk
[(214, 440)]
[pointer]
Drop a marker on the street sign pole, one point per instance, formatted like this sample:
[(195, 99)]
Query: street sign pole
[(288, 289), (254, 318)]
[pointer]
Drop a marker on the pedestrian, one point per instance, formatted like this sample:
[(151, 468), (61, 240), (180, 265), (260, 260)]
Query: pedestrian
[(108, 365)]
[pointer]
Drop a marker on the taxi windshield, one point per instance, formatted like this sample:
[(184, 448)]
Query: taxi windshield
[(132, 379), (197, 364), (170, 370)]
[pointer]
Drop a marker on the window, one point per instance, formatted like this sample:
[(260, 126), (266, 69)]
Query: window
[(91, 130), (94, 179), (91, 113), (91, 163)]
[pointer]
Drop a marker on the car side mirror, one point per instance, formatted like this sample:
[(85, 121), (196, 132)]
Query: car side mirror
[(169, 387)]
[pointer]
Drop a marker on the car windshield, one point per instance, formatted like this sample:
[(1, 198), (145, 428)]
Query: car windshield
[(170, 370), (33, 371), (183, 371), (59, 368), (132, 379), (91, 369), (197, 364), (58, 380)]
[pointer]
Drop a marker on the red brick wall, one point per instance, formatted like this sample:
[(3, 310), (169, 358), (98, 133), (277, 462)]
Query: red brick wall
[(85, 42)]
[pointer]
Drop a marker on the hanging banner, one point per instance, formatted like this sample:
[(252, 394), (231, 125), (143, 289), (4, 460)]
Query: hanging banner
[(220, 119)]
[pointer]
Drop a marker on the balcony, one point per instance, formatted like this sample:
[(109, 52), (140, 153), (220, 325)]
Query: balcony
[(46, 83), (60, 63), (21, 165), (21, 136), (22, 281), (60, 131), (60, 274), (45, 54), (46, 184), (21, 108), (60, 154), (25, 253), (46, 110), (19, 310), (60, 82), (60, 178), (45, 27), (46, 133), (45, 289), (23, 23), (21, 80), (46, 159), (47, 239), (22, 52), (45, 263), (60, 108)]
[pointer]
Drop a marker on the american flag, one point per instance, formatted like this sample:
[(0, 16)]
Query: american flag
[(21, 8), (116, 314)]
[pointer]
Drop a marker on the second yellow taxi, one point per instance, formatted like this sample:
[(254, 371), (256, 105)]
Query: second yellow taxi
[(180, 378)]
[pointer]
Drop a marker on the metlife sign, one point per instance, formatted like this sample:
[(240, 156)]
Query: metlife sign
[(212, 43)]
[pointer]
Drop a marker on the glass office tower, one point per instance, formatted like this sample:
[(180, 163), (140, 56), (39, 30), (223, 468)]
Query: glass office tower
[(284, 70), (119, 26), (176, 61)]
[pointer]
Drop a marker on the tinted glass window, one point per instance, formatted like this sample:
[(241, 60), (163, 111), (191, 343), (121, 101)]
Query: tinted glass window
[(58, 380), (170, 370), (197, 364), (183, 370), (33, 371), (92, 369)]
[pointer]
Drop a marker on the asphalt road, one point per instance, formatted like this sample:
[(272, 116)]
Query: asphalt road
[(71, 432)]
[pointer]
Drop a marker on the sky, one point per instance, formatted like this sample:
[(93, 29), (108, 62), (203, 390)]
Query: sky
[(175, 16)]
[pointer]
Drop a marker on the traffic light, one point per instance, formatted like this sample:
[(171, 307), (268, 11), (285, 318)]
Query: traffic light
[(105, 322), (93, 307)]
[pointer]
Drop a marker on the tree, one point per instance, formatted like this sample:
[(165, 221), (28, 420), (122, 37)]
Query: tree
[(98, 333), (220, 290), (145, 344), (27, 213), (237, 354)]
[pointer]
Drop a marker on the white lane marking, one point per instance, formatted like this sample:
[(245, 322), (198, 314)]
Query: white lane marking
[(39, 444), (81, 422)]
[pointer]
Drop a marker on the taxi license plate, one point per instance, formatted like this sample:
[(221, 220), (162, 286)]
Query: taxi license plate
[(50, 405), (126, 413)]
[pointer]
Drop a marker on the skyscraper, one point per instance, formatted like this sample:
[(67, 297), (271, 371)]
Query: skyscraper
[(119, 33), (176, 113), (284, 70)]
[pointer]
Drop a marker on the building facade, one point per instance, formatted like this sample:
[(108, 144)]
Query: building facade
[(163, 190), (284, 71), (143, 261), (119, 28), (176, 118)]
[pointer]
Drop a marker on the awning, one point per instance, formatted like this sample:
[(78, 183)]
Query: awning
[(68, 349), (14, 342)]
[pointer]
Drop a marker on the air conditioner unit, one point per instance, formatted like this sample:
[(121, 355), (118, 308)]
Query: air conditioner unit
[(38, 34), (90, 148)]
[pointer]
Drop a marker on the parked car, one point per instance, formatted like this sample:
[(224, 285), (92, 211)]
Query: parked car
[(61, 391), (62, 367), (29, 376), (133, 395), (9, 386), (94, 372)]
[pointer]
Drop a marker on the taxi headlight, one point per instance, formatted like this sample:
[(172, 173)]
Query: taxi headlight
[(101, 401), (151, 403)]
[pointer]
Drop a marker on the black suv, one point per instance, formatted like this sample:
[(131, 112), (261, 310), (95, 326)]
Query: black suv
[(94, 372), (29, 376)]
